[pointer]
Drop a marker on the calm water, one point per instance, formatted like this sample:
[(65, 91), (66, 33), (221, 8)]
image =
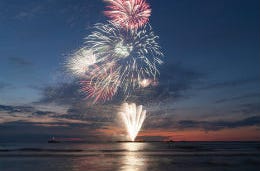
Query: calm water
[(180, 156)]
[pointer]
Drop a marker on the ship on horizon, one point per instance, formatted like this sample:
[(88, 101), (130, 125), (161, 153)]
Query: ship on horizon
[(53, 140)]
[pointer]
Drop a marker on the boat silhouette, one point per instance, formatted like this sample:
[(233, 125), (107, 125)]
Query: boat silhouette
[(53, 140)]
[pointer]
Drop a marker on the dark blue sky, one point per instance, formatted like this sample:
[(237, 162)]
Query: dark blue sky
[(211, 70)]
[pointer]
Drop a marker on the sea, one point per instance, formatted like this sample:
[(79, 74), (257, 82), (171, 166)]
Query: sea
[(130, 156)]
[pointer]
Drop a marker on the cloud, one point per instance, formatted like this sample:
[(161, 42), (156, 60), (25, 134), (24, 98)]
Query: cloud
[(40, 113), (28, 114), (79, 121), (15, 109), (175, 79), (248, 108), (217, 125), (63, 94), (170, 123), (172, 85), (232, 83), (20, 62), (236, 98), (78, 117), (29, 12), (4, 85)]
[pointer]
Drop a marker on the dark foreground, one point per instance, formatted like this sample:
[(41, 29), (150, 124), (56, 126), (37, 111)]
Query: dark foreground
[(125, 156)]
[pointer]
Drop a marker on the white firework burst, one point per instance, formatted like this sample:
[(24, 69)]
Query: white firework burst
[(136, 53), (80, 62)]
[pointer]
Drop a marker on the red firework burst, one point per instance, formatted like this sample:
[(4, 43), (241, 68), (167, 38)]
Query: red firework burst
[(97, 93), (102, 86), (129, 14)]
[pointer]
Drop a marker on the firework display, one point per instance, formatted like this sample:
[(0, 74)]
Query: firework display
[(129, 14), (133, 117), (102, 85), (80, 61), (136, 53), (145, 82), (121, 54)]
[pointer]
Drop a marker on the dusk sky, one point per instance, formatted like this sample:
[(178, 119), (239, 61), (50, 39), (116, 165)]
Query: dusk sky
[(209, 84)]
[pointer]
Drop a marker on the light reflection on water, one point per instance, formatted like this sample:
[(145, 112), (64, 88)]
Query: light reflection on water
[(130, 156), (133, 159)]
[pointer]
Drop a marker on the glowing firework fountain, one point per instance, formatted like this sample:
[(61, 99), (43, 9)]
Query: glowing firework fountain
[(133, 117)]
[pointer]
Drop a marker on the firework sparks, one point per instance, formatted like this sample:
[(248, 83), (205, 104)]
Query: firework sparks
[(80, 61), (136, 53), (129, 14), (122, 50), (133, 117), (122, 54), (145, 82), (102, 85)]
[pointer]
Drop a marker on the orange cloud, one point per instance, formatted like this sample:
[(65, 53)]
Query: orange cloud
[(236, 134)]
